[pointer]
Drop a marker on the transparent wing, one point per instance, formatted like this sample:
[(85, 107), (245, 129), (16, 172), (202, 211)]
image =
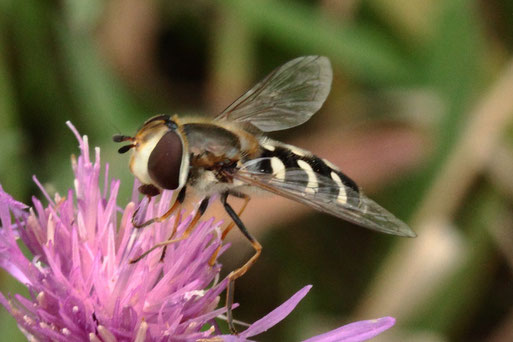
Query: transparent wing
[(285, 98), (323, 194)]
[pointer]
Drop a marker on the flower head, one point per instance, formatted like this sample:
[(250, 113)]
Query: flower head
[(83, 287)]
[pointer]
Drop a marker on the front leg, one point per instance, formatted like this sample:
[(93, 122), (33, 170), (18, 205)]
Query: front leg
[(176, 204), (201, 210)]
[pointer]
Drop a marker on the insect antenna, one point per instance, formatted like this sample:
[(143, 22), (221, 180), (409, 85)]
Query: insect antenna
[(125, 148), (120, 138)]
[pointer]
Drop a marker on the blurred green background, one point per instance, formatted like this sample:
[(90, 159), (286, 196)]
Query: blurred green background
[(419, 115)]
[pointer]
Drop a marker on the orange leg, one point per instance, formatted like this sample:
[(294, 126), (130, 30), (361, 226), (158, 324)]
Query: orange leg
[(188, 231), (235, 275), (178, 220)]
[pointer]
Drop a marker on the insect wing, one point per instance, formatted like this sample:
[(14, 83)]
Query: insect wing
[(285, 98), (323, 194)]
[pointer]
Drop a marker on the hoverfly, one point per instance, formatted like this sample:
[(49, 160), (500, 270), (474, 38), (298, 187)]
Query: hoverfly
[(229, 155)]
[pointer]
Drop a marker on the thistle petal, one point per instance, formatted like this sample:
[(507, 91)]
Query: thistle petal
[(356, 332)]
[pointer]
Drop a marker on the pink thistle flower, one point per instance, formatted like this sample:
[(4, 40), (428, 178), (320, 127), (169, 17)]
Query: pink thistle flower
[(83, 287)]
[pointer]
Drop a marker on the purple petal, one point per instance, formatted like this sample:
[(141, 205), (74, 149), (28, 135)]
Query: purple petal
[(7, 201), (355, 332), (275, 316)]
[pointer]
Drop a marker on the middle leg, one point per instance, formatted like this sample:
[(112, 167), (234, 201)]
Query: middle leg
[(229, 227), (244, 268)]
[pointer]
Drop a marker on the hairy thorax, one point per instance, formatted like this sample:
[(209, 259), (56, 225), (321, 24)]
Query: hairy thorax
[(215, 153)]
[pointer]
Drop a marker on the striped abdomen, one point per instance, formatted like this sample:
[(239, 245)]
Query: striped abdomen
[(301, 168)]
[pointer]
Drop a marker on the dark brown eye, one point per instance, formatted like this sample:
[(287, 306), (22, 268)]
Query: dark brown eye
[(165, 161)]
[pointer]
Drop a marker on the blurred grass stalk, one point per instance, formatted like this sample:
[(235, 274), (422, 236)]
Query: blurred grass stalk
[(99, 93), (231, 59), (11, 138), (360, 50), (411, 20), (397, 291), (446, 310)]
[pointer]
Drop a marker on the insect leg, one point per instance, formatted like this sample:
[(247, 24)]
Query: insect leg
[(176, 204), (177, 222), (244, 268), (230, 226), (201, 210), (246, 199)]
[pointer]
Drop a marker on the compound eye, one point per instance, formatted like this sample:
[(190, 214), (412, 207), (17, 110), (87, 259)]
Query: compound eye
[(165, 161)]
